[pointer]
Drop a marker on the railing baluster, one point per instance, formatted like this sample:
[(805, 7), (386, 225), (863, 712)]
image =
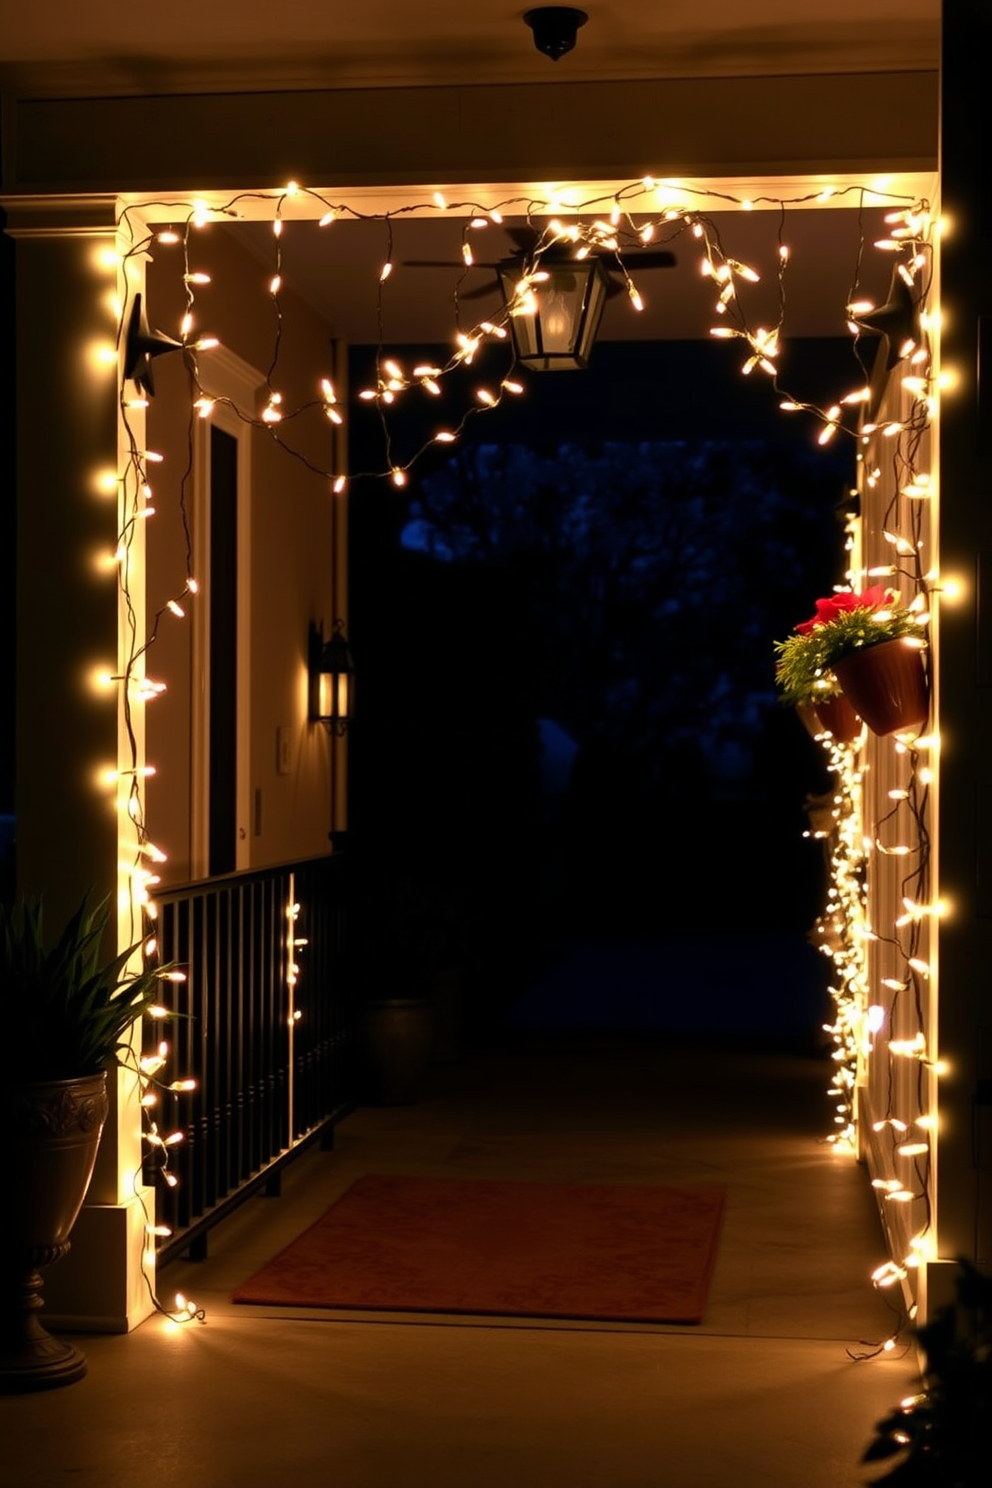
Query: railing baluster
[(233, 1038)]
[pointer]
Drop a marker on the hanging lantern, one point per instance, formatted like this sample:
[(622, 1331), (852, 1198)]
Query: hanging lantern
[(332, 679), (555, 309)]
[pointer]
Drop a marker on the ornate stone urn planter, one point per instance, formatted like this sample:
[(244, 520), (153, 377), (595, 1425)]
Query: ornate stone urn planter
[(51, 1131), (65, 1017)]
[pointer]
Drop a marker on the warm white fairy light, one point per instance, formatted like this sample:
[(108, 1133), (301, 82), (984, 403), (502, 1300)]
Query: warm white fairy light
[(840, 934), (889, 1003), (888, 1274), (845, 932), (831, 424)]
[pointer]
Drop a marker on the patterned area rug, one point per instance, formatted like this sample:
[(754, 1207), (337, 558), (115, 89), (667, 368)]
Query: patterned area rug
[(631, 1252)]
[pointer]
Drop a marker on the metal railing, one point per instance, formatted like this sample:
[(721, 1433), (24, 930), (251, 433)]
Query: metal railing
[(265, 1026)]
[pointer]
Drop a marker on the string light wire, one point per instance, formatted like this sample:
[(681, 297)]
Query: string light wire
[(628, 217)]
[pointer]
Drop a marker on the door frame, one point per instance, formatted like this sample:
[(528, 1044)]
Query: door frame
[(230, 377)]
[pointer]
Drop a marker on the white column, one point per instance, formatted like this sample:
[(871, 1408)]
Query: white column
[(71, 639)]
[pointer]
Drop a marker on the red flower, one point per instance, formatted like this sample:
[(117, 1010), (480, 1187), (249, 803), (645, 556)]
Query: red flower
[(877, 597)]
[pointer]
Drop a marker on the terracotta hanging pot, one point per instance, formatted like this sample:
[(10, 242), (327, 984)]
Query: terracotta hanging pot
[(806, 714), (887, 684), (837, 716)]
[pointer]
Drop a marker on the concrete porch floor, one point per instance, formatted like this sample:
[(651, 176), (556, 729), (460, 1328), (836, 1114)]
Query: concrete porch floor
[(764, 1394)]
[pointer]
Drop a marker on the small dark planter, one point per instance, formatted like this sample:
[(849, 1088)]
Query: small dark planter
[(51, 1132), (836, 716), (887, 684), (447, 985), (399, 1039)]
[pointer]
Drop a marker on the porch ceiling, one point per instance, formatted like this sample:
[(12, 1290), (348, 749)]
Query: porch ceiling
[(100, 49), (246, 44)]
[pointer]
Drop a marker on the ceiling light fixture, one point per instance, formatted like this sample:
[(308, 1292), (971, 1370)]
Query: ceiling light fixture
[(555, 28)]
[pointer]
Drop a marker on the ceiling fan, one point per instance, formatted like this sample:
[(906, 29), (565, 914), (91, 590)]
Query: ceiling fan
[(527, 239)]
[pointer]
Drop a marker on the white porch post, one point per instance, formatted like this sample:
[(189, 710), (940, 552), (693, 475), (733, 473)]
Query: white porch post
[(69, 635)]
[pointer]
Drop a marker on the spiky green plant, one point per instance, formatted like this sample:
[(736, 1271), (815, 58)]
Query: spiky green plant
[(805, 660), (65, 1012), (939, 1438)]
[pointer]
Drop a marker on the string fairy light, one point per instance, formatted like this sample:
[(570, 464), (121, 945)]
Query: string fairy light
[(890, 998), (869, 1010), (613, 233)]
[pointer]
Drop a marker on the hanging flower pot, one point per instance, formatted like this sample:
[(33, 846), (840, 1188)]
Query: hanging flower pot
[(887, 684), (872, 646), (838, 717)]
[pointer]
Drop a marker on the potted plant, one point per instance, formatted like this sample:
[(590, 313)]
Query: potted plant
[(938, 1438), (865, 646), (66, 1013)]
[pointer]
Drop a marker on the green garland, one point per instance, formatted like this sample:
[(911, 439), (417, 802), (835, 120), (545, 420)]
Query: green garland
[(803, 668)]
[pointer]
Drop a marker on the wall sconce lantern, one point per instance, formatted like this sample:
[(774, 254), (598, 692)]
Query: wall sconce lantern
[(332, 679), (555, 308)]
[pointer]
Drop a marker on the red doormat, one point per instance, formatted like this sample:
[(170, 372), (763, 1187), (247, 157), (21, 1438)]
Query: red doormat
[(618, 1253)]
